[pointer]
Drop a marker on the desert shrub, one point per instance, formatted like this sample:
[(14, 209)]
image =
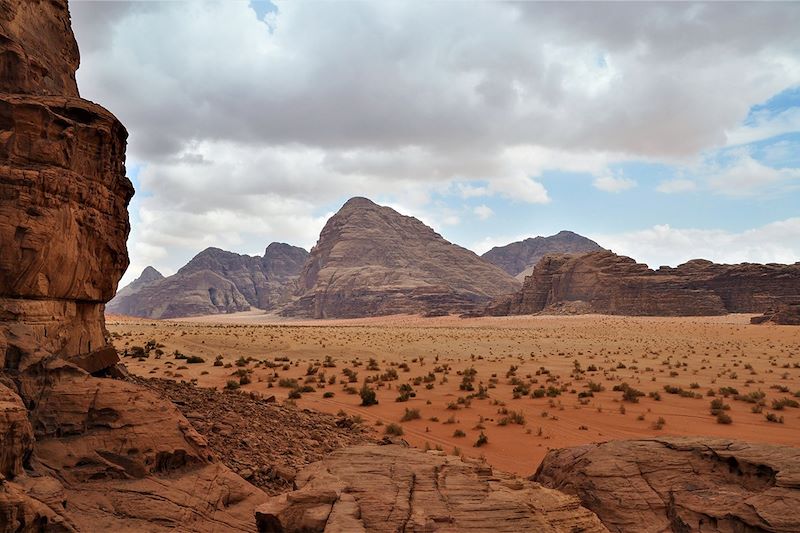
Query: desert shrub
[(410, 414), (629, 394), (660, 423), (724, 418), (287, 383), (779, 405), (232, 384), (368, 396), (328, 394), (393, 429), (482, 440), (458, 433), (772, 417), (195, 359)]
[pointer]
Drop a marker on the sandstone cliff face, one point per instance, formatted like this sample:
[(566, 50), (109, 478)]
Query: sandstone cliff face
[(392, 488), (603, 282), (216, 281), (681, 484), (370, 260), (784, 314), (519, 258), (78, 453)]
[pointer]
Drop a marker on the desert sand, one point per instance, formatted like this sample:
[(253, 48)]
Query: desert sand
[(693, 357)]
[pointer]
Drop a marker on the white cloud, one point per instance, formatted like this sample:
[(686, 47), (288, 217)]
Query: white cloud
[(483, 211), (778, 242), (765, 126), (746, 176), (613, 184), (676, 185), (249, 130)]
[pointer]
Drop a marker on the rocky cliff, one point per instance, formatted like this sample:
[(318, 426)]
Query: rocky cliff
[(603, 282), (371, 260), (681, 484), (79, 452), (216, 281), (519, 258)]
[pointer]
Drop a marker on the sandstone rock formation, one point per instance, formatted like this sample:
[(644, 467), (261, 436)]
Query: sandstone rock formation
[(371, 260), (78, 452), (603, 282), (787, 314), (215, 281), (519, 258), (681, 484), (393, 488)]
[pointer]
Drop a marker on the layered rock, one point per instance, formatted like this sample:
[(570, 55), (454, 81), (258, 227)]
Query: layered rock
[(79, 452), (681, 484), (371, 260), (603, 282), (787, 314), (216, 281), (393, 488), (519, 258)]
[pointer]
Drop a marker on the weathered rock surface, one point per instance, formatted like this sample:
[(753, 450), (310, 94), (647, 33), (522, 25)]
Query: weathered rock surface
[(519, 258), (78, 452), (603, 282), (394, 488), (371, 260), (262, 441), (784, 314), (681, 484), (215, 281)]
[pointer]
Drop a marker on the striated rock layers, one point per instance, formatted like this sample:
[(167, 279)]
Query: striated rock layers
[(79, 452), (215, 281), (787, 314), (371, 260), (393, 488), (519, 258), (681, 484), (603, 282)]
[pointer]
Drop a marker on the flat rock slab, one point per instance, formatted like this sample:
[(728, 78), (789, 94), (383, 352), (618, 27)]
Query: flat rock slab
[(394, 488), (681, 484)]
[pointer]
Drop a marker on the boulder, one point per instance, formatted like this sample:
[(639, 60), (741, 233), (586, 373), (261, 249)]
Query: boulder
[(394, 488), (681, 484)]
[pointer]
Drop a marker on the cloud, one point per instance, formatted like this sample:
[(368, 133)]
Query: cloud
[(676, 185), (613, 184), (744, 176), (250, 128), (778, 242), (483, 212)]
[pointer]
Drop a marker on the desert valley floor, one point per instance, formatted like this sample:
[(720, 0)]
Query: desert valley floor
[(464, 377)]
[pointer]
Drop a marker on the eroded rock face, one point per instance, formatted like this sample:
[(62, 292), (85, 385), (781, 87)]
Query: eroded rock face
[(393, 488), (371, 260), (519, 258), (215, 281), (681, 484), (78, 452), (603, 282), (783, 314)]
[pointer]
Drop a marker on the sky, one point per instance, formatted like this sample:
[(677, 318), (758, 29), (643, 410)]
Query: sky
[(664, 131)]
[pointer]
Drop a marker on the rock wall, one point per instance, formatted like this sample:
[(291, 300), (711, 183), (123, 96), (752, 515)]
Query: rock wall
[(603, 282), (79, 452)]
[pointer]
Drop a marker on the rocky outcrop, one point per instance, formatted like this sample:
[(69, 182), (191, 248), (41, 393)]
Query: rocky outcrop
[(371, 260), (215, 281), (79, 452), (681, 484), (603, 282), (519, 258), (393, 488), (783, 314)]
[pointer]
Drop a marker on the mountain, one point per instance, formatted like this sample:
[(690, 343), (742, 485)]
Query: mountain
[(519, 258), (214, 281), (603, 282), (371, 260)]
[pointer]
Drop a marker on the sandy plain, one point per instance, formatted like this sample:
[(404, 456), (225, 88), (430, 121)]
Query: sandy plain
[(576, 360)]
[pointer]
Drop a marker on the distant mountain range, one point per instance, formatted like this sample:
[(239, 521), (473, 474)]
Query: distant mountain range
[(214, 281), (369, 260), (519, 258)]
